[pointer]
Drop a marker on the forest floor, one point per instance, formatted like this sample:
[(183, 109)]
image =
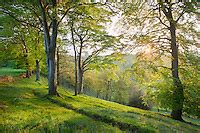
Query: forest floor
[(26, 107)]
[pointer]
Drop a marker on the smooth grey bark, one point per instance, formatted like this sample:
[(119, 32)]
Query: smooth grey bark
[(51, 74), (37, 62), (52, 62), (50, 46), (80, 68), (80, 78), (75, 60), (58, 66)]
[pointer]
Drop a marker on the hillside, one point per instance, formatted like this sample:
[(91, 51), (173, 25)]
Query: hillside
[(25, 106)]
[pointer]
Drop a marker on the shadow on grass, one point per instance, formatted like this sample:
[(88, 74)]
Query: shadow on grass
[(103, 118), (73, 125), (32, 101)]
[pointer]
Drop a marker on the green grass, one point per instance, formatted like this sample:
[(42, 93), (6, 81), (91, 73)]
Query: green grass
[(168, 112), (22, 109), (24, 106), (124, 116), (10, 71)]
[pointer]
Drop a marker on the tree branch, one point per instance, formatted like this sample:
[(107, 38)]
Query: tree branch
[(63, 16), (23, 22), (180, 16), (45, 26), (161, 20)]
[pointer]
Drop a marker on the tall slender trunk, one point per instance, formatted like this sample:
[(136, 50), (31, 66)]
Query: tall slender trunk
[(178, 96), (80, 69), (80, 79), (27, 74), (27, 69), (37, 70), (110, 88), (98, 93), (50, 45), (25, 52), (58, 66), (75, 74), (51, 73), (75, 60), (107, 91), (52, 63)]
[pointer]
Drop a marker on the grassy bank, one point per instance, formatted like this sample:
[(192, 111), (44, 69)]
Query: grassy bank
[(22, 109), (24, 106), (10, 71)]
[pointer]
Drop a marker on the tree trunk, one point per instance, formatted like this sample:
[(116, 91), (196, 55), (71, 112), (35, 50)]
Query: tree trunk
[(98, 92), (178, 96), (80, 77), (82, 81), (75, 60), (27, 74), (108, 91), (58, 69), (52, 63), (27, 69), (25, 52), (52, 74), (80, 68), (37, 70), (110, 88), (50, 44), (75, 74)]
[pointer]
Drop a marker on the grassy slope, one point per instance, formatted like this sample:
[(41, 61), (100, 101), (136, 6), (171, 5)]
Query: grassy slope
[(25, 106), (10, 72), (22, 109), (122, 116)]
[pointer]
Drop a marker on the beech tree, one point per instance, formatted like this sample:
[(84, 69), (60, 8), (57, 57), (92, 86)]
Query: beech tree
[(46, 17), (173, 17), (159, 32), (25, 46), (50, 29), (86, 24)]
